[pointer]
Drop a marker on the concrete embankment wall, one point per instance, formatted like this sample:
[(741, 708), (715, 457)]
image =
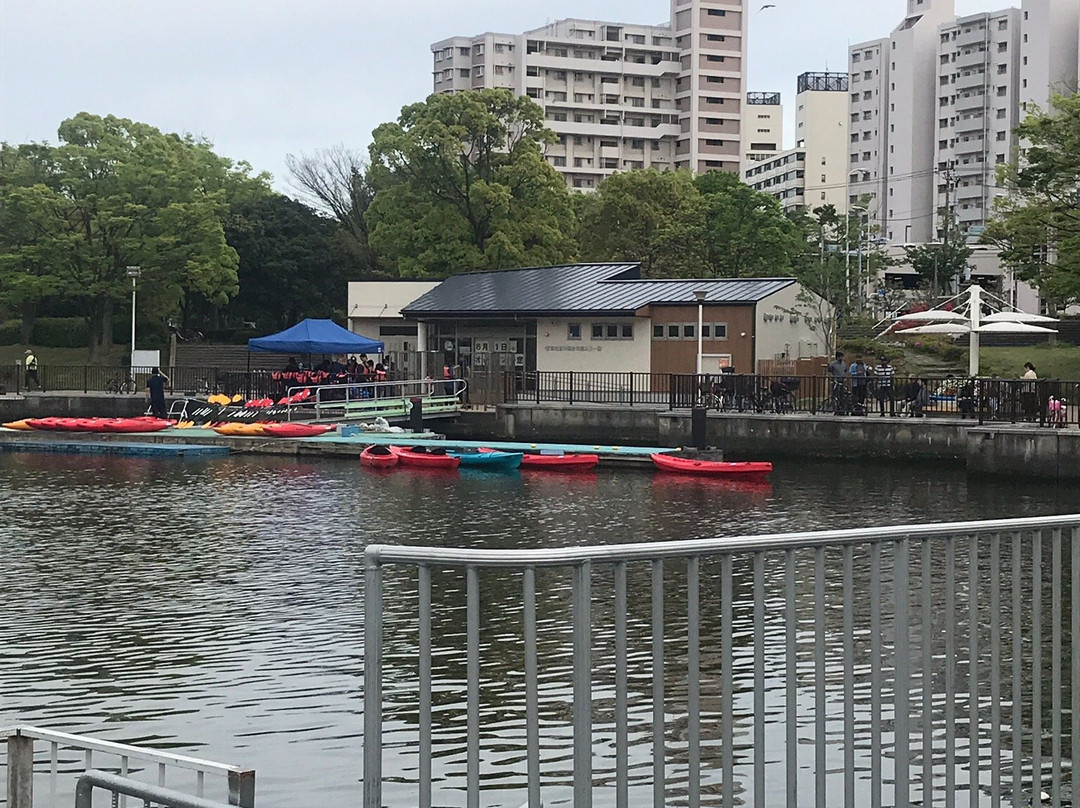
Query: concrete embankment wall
[(1022, 450), (77, 405)]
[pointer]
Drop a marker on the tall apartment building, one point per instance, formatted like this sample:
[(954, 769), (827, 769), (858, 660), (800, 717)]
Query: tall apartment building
[(620, 96), (978, 109), (934, 107), (813, 173), (763, 127)]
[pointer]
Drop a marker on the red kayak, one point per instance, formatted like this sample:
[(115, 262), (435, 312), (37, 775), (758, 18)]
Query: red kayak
[(49, 424), (557, 462), (294, 430), (378, 457), (710, 468), (143, 424), (422, 457)]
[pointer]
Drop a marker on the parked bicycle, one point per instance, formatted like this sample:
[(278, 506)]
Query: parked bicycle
[(119, 384)]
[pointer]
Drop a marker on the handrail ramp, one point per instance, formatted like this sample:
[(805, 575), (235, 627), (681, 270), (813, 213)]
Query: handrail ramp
[(32, 755)]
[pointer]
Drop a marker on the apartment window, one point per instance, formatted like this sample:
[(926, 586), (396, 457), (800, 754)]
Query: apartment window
[(716, 38), (867, 95), (532, 92), (856, 57), (1001, 135), (532, 70), (717, 12), (715, 58), (463, 72), (558, 162), (637, 81), (573, 331), (1002, 47), (559, 75), (1002, 91), (558, 116), (1003, 25), (854, 96)]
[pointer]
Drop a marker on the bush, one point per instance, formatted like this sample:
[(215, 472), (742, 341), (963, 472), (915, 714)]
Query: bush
[(10, 332), (61, 332)]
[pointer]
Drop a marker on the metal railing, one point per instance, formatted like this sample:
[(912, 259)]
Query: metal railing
[(925, 664), (1046, 402), (33, 754), (372, 399)]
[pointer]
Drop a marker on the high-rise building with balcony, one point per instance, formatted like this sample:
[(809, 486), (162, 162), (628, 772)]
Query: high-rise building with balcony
[(620, 96)]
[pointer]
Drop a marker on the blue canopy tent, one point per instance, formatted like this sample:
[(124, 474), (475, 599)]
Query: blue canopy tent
[(315, 337)]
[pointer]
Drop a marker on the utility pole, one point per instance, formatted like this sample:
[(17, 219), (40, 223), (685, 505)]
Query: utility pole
[(950, 208)]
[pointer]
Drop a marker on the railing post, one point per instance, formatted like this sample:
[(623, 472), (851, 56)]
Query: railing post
[(20, 766), (571, 388), (538, 374), (85, 379), (632, 375), (372, 680), (242, 788), (582, 688)]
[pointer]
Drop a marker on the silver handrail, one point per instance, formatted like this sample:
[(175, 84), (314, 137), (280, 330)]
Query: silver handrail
[(913, 625), (431, 390)]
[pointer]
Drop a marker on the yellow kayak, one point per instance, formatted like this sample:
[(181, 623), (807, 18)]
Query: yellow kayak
[(234, 429)]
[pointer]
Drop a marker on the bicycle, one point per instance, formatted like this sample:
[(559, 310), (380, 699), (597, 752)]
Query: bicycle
[(840, 400), (120, 385)]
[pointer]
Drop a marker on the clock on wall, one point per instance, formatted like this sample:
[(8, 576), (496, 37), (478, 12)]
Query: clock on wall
[(448, 345)]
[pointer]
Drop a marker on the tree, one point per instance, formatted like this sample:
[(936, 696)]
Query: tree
[(117, 193), (940, 265), (293, 263), (337, 182), (746, 233), (461, 183), (649, 216), (1037, 225)]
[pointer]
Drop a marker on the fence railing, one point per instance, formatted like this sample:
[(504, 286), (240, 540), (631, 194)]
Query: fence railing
[(933, 664), (35, 757), (1047, 402)]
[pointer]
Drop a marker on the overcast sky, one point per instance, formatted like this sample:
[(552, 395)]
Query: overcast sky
[(265, 78)]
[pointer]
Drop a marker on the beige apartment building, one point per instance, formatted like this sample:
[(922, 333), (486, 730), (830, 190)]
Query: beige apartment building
[(763, 127), (620, 96), (814, 173)]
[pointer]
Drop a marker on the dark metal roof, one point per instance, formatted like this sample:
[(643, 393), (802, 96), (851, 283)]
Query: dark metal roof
[(616, 289)]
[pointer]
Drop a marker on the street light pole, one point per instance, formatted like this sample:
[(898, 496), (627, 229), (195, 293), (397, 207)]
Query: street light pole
[(133, 272), (699, 296)]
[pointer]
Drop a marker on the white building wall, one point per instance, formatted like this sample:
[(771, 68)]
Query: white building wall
[(781, 333), (556, 351), (821, 131), (913, 108), (1050, 30)]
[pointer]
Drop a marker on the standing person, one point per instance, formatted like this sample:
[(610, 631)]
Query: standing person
[(883, 375), (155, 391), (837, 372), (30, 363), (859, 372), (1029, 401)]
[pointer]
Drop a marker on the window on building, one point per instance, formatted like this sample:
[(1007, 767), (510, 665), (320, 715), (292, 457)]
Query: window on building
[(573, 331), (673, 332), (658, 332), (689, 332)]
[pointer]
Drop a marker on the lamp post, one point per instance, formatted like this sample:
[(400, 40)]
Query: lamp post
[(133, 273), (699, 296)]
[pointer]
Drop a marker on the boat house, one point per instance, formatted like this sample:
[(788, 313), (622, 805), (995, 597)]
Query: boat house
[(607, 318)]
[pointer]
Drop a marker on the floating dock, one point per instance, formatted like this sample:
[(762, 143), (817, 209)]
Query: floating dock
[(201, 441), (132, 448)]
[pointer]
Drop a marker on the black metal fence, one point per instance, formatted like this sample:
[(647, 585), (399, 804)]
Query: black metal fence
[(1046, 402)]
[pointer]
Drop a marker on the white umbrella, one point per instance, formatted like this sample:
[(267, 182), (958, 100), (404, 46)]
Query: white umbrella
[(1014, 328), (1017, 317), (932, 315), (936, 328)]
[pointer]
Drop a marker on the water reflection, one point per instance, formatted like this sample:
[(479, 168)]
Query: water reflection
[(215, 605)]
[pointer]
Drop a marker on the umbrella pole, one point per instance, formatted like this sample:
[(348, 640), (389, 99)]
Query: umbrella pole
[(974, 312)]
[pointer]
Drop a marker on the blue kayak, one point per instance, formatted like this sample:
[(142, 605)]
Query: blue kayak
[(495, 461)]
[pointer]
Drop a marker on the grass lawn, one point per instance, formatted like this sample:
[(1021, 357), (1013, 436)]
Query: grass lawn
[(1050, 361)]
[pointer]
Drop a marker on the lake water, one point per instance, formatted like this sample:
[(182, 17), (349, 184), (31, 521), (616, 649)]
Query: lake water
[(215, 607)]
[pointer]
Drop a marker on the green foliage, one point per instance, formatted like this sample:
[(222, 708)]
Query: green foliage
[(117, 193), (61, 332), (461, 183), (940, 265), (746, 233), (292, 263), (1037, 226), (650, 216), (10, 332)]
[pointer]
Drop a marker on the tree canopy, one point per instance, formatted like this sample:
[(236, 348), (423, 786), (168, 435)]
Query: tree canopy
[(461, 183), (1037, 226), (116, 193)]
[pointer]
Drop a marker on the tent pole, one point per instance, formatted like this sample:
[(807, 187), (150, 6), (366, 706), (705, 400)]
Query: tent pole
[(249, 393)]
